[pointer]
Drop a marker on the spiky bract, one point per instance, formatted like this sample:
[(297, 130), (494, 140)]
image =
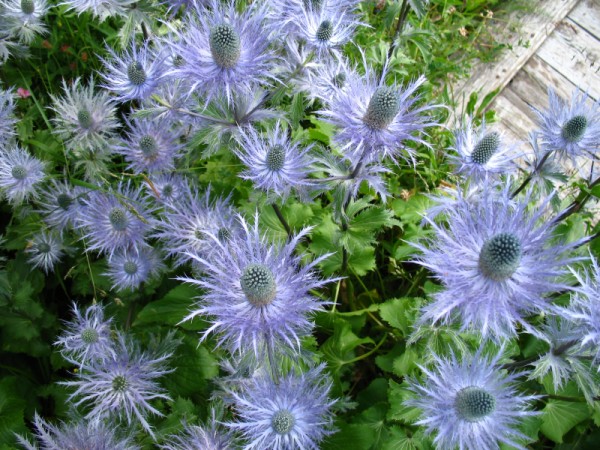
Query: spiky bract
[(20, 175), (45, 250), (128, 268), (470, 404)]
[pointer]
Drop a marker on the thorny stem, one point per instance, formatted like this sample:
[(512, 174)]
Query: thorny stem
[(536, 169), (525, 362), (286, 225)]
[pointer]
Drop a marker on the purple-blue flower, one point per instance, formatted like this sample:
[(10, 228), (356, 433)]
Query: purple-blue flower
[(275, 164), (375, 120), (58, 205), (88, 435), (257, 294), (292, 413), (115, 220), (481, 154), (151, 146), (224, 51), (128, 268), (211, 436), (7, 117), (133, 75), (496, 258), (44, 250), (20, 175), (122, 386), (470, 403), (87, 336), (570, 128)]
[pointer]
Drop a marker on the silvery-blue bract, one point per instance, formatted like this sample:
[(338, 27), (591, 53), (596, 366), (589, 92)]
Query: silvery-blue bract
[(128, 268), (20, 175), (44, 250), (7, 117), (470, 403)]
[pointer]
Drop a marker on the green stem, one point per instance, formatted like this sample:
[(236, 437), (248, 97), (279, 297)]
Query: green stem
[(279, 215), (536, 169), (369, 353), (399, 26)]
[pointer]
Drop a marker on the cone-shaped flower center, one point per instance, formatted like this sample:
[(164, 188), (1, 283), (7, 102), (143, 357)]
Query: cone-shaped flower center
[(200, 234), (383, 107), (119, 383), (339, 80), (474, 403), (64, 201), (19, 172), (485, 148), (178, 61), (167, 191), (27, 6), (225, 45), (43, 247), (283, 421), (136, 73), (223, 234), (325, 31), (500, 256), (258, 283), (275, 158), (118, 219), (148, 145), (89, 336), (85, 119), (574, 129), (130, 267)]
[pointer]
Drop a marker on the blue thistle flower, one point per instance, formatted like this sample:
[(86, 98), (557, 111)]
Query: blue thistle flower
[(224, 51), (135, 74), (328, 79), (481, 154), (127, 268), (87, 336), (209, 437), (115, 220), (90, 435), (20, 174), (375, 120), (58, 205), (185, 228), (25, 18), (496, 261), (257, 295), (84, 118), (166, 188), (274, 163), (122, 386), (470, 404), (294, 413), (151, 146), (44, 250), (571, 129), (7, 116)]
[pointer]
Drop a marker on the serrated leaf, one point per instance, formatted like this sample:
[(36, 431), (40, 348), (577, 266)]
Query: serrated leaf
[(350, 436), (398, 394), (12, 406), (394, 312), (339, 348), (558, 417)]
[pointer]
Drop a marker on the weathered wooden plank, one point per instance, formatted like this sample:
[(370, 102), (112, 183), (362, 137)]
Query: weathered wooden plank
[(575, 54), (587, 15), (540, 76), (514, 114), (534, 26)]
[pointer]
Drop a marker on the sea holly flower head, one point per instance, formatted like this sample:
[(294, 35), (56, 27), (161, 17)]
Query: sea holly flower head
[(257, 294), (84, 118), (122, 386), (128, 268), (496, 260), (87, 336), (295, 412), (7, 116), (212, 436), (89, 435), (25, 18), (375, 120), (275, 164), (99, 8), (20, 175), (224, 51), (45, 250), (135, 74), (115, 220), (58, 205), (469, 403), (572, 128), (481, 153)]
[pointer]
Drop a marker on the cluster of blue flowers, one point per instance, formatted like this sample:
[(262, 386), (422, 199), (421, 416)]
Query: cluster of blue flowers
[(214, 73)]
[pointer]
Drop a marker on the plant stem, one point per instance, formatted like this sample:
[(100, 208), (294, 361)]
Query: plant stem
[(399, 26), (530, 176), (578, 203), (286, 225)]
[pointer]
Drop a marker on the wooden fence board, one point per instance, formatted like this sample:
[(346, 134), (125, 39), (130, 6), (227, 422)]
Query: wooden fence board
[(585, 14)]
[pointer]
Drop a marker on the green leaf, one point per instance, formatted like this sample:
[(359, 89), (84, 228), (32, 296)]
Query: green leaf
[(394, 312), (339, 348), (558, 417), (171, 309), (398, 394), (12, 406), (350, 436)]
